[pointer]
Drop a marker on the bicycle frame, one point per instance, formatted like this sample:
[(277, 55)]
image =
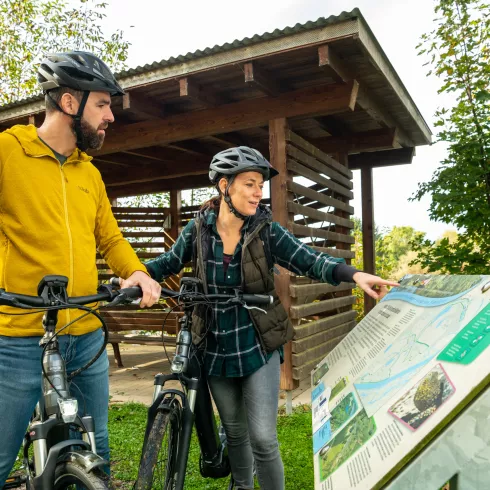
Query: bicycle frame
[(197, 409)]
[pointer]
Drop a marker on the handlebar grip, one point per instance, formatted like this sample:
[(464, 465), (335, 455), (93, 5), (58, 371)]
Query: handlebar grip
[(115, 281), (258, 299), (133, 292)]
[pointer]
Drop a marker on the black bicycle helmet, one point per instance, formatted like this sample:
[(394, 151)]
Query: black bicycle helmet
[(237, 160), (81, 71), (229, 163), (78, 70)]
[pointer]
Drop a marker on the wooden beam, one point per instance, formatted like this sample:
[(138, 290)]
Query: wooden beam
[(340, 72), (318, 215), (316, 195), (107, 161), (377, 139), (401, 156), (230, 140), (300, 311), (152, 173), (166, 185), (319, 155), (279, 199), (333, 65), (256, 77), (370, 104), (333, 125), (191, 90), (188, 151), (318, 100), (303, 171), (32, 120), (323, 325), (141, 105), (310, 231), (150, 155), (223, 141), (322, 167), (368, 251)]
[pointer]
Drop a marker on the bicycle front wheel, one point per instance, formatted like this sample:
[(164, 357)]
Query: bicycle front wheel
[(159, 456), (71, 476)]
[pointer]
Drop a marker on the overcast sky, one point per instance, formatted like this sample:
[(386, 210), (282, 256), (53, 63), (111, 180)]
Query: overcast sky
[(163, 28)]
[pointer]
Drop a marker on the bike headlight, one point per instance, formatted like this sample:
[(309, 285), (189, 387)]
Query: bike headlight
[(177, 366), (68, 409)]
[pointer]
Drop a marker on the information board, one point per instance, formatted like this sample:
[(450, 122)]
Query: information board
[(398, 377)]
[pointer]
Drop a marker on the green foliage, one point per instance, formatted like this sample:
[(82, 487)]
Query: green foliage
[(391, 246), (190, 197), (158, 200), (126, 430), (467, 254), (458, 53), (29, 29)]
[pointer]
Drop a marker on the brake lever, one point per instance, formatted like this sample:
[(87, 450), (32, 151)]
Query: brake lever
[(253, 308), (238, 299), (121, 298)]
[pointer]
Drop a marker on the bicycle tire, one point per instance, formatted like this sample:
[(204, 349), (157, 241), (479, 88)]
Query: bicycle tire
[(159, 455), (71, 475)]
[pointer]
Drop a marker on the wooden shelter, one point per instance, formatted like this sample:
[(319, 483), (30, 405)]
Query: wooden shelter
[(319, 99)]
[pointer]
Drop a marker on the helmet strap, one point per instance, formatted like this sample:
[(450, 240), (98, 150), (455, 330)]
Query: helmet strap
[(77, 118), (227, 199)]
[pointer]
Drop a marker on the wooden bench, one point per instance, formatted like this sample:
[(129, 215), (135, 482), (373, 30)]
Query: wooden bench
[(123, 322)]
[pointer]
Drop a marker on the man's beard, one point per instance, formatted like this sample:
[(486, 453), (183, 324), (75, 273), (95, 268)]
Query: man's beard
[(91, 139)]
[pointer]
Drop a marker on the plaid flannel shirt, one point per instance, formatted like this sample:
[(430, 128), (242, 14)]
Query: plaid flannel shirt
[(232, 346)]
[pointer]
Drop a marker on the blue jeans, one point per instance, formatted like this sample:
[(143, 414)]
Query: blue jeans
[(248, 411), (20, 388)]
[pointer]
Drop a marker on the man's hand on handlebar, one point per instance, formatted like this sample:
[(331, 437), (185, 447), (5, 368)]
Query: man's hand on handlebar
[(150, 288)]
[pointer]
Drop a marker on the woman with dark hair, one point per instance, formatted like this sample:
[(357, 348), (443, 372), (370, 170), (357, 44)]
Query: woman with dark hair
[(234, 244)]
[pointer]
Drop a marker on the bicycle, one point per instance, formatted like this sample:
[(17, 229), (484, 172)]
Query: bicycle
[(173, 413), (52, 459)]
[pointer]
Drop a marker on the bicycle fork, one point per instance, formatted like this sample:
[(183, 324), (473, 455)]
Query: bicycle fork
[(198, 410)]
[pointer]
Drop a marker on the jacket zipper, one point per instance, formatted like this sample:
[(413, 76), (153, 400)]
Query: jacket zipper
[(70, 239), (248, 239)]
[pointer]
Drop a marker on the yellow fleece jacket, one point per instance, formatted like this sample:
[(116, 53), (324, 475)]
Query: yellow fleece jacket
[(53, 219)]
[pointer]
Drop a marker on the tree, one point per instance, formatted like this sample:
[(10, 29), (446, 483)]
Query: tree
[(29, 29), (393, 249), (398, 242), (190, 197), (458, 51)]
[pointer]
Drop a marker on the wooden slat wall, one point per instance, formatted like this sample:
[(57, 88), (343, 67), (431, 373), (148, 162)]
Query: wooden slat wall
[(321, 313), (145, 229)]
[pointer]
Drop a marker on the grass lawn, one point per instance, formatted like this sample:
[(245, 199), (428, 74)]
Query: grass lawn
[(127, 424)]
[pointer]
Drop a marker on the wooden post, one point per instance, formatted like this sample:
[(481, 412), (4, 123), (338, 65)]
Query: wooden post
[(175, 210), (279, 199), (368, 230)]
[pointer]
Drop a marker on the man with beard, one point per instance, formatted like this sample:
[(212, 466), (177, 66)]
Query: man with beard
[(54, 216)]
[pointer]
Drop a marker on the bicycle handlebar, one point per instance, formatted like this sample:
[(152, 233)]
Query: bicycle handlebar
[(106, 293), (196, 297)]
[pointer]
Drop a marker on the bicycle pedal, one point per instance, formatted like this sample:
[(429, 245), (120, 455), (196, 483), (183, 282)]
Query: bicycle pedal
[(14, 482)]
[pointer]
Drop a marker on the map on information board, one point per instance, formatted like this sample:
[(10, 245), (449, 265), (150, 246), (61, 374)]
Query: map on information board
[(390, 381)]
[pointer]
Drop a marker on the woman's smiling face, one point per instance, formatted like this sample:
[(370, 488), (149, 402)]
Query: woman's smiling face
[(245, 192)]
